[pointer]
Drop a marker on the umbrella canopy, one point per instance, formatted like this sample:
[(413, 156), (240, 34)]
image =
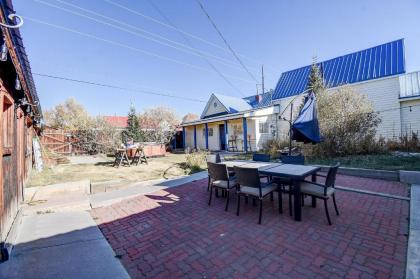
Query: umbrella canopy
[(306, 128)]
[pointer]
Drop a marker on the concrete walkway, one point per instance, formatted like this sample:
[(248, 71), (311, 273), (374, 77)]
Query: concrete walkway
[(141, 188), (61, 245), (59, 239)]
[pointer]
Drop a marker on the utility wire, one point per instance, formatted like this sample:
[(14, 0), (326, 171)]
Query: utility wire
[(117, 87), (175, 28), (225, 41), (126, 46), (191, 44), (183, 47)]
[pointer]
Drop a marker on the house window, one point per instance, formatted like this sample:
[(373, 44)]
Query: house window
[(204, 132), (210, 132), (215, 104), (263, 127)]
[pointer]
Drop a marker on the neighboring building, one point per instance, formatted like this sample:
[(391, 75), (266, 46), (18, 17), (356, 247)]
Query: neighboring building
[(377, 72), (119, 122), (20, 120)]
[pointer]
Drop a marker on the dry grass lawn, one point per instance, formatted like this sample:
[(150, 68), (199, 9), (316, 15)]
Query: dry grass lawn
[(100, 169)]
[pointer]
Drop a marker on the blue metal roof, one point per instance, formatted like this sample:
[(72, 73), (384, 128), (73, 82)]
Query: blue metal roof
[(372, 63), (264, 101)]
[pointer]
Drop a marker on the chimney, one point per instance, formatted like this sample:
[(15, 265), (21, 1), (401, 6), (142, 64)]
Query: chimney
[(258, 98)]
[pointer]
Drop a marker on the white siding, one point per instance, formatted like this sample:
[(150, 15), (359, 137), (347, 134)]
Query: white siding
[(189, 137), (410, 85), (410, 117), (214, 141), (384, 95)]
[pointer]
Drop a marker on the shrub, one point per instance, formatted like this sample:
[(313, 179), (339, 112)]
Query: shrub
[(347, 123), (273, 146), (195, 161), (407, 142)]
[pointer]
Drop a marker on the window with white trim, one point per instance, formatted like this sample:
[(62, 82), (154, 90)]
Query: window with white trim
[(263, 127)]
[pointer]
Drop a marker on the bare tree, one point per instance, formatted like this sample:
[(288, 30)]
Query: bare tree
[(158, 124)]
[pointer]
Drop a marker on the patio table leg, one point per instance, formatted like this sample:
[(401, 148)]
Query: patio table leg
[(313, 198), (297, 200)]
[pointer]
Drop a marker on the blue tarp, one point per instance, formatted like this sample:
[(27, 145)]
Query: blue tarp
[(306, 128)]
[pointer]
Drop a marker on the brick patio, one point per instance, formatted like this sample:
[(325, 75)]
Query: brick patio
[(174, 233)]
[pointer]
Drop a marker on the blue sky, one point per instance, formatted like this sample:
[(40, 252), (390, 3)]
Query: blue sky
[(282, 35)]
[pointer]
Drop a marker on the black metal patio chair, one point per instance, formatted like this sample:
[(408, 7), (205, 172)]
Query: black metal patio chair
[(212, 158), (323, 191), (220, 179), (249, 184)]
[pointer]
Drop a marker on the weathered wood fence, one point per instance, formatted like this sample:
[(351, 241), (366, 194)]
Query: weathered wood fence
[(59, 141)]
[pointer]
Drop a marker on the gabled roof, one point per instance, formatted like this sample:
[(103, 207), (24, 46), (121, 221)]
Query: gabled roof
[(229, 105), (372, 63), (265, 100), (233, 104)]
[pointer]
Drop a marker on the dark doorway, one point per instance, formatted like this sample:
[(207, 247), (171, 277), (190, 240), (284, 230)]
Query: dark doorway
[(222, 137)]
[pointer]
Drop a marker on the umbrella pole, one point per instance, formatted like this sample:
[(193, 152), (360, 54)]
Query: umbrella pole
[(290, 129)]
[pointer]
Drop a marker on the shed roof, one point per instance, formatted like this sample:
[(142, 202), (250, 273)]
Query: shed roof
[(372, 63)]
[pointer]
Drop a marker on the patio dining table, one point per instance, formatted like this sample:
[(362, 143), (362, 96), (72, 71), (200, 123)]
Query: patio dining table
[(296, 173)]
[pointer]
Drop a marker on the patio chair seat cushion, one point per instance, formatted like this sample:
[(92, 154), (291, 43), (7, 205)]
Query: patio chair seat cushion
[(253, 191), (315, 190), (224, 183)]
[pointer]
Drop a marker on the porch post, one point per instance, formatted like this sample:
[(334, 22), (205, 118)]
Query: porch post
[(245, 134), (183, 137), (207, 136), (195, 136), (226, 135)]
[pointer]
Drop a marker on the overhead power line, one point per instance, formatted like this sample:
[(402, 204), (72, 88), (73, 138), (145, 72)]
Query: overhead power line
[(117, 87), (177, 29), (191, 44), (122, 45), (150, 35), (225, 41)]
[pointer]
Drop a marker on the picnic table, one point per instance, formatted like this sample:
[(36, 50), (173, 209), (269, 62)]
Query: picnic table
[(296, 174), (123, 155)]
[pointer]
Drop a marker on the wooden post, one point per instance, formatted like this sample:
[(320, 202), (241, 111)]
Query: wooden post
[(1, 163)]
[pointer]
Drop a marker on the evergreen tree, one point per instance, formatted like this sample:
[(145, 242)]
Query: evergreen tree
[(132, 132), (315, 81)]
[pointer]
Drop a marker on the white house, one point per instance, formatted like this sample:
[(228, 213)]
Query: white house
[(230, 123)]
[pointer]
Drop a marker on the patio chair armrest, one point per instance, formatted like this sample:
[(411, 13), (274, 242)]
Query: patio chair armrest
[(314, 183)]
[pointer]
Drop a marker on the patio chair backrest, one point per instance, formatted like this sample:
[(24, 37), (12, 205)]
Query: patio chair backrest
[(213, 158), (217, 171), (332, 173), (294, 160), (260, 157), (249, 177)]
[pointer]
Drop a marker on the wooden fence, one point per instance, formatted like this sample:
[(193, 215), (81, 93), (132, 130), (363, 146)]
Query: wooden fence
[(59, 141)]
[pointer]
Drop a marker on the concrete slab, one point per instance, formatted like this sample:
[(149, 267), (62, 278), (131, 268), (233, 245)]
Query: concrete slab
[(62, 245), (410, 177), (413, 251), (141, 188), (72, 201)]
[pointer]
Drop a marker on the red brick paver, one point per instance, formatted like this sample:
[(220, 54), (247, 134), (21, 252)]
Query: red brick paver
[(174, 233)]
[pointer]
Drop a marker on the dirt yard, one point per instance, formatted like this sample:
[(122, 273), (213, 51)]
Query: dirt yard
[(99, 168)]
